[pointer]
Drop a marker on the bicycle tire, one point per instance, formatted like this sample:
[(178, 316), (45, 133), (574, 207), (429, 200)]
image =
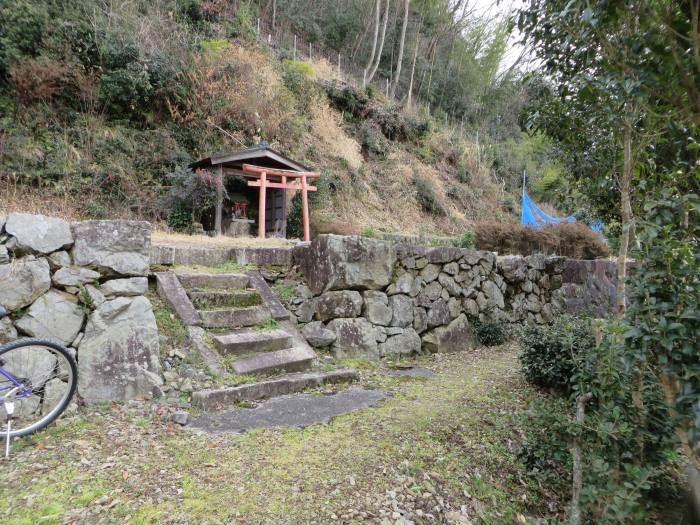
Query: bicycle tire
[(61, 407)]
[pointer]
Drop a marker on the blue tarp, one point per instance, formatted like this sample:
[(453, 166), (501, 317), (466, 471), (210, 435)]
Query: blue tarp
[(533, 216)]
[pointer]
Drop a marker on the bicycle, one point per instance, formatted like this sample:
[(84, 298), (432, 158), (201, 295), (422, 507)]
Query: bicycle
[(38, 379)]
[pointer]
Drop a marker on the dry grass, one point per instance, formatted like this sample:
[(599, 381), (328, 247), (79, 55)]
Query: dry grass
[(181, 240), (25, 199), (332, 138)]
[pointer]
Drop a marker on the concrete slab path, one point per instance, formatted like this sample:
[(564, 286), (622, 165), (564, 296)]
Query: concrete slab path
[(296, 410)]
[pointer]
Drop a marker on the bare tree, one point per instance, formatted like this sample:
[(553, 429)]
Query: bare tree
[(377, 6), (378, 58), (413, 66), (397, 75)]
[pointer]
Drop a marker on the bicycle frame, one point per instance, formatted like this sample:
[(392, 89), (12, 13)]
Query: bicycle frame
[(23, 390)]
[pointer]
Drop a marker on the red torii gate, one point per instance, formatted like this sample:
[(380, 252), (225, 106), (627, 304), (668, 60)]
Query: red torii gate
[(299, 182)]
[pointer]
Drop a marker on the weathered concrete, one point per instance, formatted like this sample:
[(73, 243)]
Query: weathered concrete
[(253, 341), (299, 410), (211, 256), (216, 399), (224, 298), (234, 317), (210, 357), (174, 295), (277, 310), (262, 256), (290, 359), (214, 280)]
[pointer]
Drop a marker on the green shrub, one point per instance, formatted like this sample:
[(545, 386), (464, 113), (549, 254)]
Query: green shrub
[(463, 174), (370, 232), (243, 25), (295, 228), (489, 332), (425, 195), (626, 436), (127, 91), (372, 140), (466, 240), (550, 353), (298, 77), (22, 29), (180, 217)]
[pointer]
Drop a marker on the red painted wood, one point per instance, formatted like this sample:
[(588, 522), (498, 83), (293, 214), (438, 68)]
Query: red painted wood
[(288, 186), (249, 168), (261, 206), (305, 208)]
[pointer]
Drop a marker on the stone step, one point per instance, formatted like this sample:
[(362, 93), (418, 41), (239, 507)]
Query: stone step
[(171, 291), (277, 310), (214, 280), (215, 399), (290, 359), (234, 317), (255, 341), (206, 299)]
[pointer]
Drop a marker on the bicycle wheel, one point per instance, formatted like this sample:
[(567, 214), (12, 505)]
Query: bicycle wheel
[(48, 377)]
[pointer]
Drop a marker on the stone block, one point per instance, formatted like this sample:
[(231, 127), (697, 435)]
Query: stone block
[(335, 304), (335, 262), (115, 247), (376, 308), (23, 281), (38, 233), (54, 315), (402, 308), (354, 337)]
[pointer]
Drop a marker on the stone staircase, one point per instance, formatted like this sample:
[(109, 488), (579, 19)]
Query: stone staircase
[(240, 327)]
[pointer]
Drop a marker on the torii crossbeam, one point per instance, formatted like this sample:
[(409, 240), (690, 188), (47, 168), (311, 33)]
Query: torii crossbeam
[(284, 179)]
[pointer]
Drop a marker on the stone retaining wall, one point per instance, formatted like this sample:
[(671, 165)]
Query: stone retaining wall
[(375, 298), (83, 285), (189, 255)]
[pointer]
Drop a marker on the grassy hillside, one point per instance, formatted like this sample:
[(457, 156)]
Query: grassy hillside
[(99, 103)]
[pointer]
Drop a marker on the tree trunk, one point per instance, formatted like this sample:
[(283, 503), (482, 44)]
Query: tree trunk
[(381, 42), (626, 215), (577, 483), (274, 12), (374, 43), (413, 67), (397, 75)]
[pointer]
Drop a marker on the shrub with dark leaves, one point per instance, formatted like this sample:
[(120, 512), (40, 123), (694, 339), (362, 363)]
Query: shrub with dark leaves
[(490, 333), (551, 353)]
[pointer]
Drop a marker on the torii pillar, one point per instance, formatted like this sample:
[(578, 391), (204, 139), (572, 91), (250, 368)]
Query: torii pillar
[(299, 182)]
